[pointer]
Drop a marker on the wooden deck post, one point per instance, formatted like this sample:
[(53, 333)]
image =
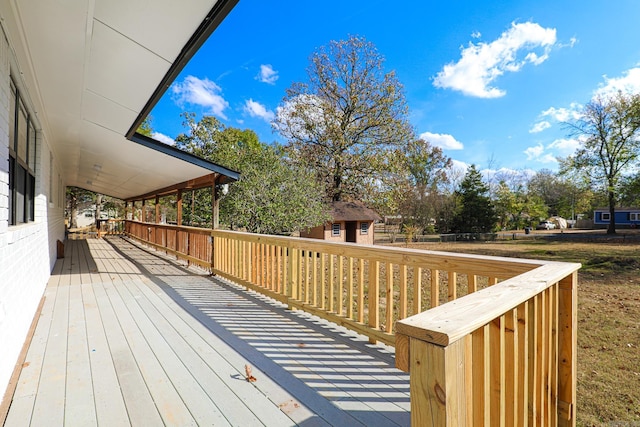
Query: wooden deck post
[(157, 206), (567, 346), (215, 206), (179, 208), (440, 383)]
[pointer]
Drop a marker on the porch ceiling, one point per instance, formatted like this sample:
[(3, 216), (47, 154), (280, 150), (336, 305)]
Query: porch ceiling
[(92, 68)]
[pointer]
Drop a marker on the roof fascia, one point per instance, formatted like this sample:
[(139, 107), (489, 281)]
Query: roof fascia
[(215, 16), (148, 142)]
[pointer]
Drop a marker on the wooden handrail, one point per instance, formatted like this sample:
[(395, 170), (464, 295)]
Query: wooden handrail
[(500, 349)]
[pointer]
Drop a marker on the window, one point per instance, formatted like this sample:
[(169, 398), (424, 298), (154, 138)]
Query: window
[(22, 161), (634, 216), (364, 228), (335, 229), (606, 216)]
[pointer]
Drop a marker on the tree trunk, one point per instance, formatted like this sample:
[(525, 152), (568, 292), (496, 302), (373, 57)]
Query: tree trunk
[(612, 213), (98, 207)]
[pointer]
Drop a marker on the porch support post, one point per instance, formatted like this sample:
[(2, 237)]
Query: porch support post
[(215, 205), (179, 208), (143, 211), (157, 209)]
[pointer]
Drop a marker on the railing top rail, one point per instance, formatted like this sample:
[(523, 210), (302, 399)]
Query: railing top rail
[(439, 259), (172, 227), (449, 322)]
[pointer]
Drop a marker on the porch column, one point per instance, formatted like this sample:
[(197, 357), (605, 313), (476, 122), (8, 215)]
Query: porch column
[(157, 209), (143, 211), (215, 206), (179, 208)]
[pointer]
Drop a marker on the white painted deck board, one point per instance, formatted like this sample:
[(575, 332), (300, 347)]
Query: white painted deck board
[(128, 336)]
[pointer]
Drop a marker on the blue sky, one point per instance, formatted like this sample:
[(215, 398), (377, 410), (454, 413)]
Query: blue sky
[(490, 82)]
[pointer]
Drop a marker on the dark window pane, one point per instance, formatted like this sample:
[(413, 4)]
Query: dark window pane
[(12, 118), (22, 134), (12, 183), (21, 188), (31, 198), (32, 148)]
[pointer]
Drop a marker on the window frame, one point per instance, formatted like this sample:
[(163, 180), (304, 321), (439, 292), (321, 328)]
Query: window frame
[(333, 229), (634, 216), (22, 160), (605, 216), (364, 228)]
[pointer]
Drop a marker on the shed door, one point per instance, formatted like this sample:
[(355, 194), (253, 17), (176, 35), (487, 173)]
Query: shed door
[(351, 227)]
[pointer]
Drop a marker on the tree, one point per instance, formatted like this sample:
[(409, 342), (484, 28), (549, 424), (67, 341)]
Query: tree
[(272, 196), (347, 119), (427, 167), (475, 213), (517, 208), (610, 130)]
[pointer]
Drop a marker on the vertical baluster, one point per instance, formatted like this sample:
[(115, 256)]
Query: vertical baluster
[(402, 305), (361, 290), (374, 296), (350, 288), (340, 290), (389, 298), (452, 285), (417, 290), (330, 293)]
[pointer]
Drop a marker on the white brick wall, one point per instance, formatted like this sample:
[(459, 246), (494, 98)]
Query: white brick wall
[(27, 251)]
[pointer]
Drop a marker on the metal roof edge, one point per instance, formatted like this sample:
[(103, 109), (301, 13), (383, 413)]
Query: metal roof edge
[(183, 155), (215, 16)]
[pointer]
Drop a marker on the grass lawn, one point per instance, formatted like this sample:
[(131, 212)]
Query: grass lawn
[(608, 320)]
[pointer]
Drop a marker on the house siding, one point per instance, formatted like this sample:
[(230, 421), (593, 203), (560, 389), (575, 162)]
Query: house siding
[(27, 251), (622, 217)]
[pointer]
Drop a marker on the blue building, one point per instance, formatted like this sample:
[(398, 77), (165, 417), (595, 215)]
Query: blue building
[(625, 217)]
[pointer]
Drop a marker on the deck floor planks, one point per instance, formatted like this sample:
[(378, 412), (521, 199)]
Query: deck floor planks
[(161, 344), (215, 375), (29, 380), (49, 403), (140, 406), (166, 398), (196, 400), (109, 403)]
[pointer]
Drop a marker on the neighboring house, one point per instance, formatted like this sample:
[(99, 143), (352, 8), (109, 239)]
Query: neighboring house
[(625, 217), (351, 222), (77, 79)]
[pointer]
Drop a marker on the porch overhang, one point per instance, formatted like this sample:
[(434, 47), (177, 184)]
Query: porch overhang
[(93, 70)]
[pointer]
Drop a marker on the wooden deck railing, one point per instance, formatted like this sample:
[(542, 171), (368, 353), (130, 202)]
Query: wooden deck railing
[(110, 227), (504, 354)]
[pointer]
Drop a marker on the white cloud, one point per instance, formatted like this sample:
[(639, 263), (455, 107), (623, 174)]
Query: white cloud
[(255, 109), (481, 64), (163, 138), (540, 126), (628, 83), (565, 146), (476, 34), (444, 141), (267, 74), (563, 114), (533, 153), (202, 92), (559, 148)]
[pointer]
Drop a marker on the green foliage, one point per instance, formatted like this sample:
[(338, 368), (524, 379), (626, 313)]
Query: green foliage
[(517, 209), (272, 196), (346, 121), (146, 127), (475, 213), (610, 131)]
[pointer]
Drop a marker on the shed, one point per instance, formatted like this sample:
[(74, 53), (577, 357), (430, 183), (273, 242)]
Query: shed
[(351, 222)]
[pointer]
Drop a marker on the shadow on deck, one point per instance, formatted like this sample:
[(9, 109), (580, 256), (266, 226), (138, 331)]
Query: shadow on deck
[(130, 336)]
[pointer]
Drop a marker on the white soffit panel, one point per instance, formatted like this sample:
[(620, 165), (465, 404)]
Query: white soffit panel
[(162, 26), (122, 70)]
